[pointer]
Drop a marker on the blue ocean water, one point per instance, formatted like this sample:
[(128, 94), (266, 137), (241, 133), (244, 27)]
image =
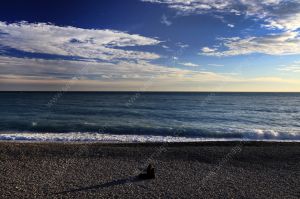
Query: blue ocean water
[(130, 116)]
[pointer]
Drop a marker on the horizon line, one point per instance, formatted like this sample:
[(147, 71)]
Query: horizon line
[(37, 91)]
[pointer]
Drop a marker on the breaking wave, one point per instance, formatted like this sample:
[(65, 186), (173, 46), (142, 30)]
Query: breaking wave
[(254, 135)]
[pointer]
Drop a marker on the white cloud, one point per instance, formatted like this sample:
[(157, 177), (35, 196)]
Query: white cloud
[(71, 41), (182, 45), (215, 64), (165, 20), (189, 64), (208, 50), (287, 43), (282, 14), (274, 14)]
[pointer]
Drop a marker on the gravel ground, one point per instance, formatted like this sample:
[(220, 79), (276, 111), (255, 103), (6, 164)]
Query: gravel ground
[(185, 170)]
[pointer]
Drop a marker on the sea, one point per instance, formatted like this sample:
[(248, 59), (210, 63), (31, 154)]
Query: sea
[(149, 116)]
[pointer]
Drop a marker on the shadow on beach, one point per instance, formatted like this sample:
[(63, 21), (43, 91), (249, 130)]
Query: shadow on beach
[(104, 185)]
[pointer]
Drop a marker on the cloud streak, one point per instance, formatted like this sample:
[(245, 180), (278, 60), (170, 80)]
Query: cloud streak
[(294, 68), (41, 74), (287, 43), (280, 14), (189, 64), (165, 20), (67, 69), (70, 41)]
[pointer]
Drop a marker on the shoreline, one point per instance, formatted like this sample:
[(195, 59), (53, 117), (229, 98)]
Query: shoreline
[(141, 138), (179, 143), (157, 143), (183, 170)]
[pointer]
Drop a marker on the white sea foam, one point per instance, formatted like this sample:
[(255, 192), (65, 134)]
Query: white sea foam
[(69, 137), (111, 138), (260, 134)]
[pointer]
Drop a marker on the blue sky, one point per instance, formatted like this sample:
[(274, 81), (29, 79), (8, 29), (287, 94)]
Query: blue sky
[(150, 45)]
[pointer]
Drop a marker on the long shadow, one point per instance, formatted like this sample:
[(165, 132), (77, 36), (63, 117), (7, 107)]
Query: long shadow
[(101, 186)]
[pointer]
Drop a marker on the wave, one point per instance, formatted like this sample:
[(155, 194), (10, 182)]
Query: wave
[(254, 135), (175, 131)]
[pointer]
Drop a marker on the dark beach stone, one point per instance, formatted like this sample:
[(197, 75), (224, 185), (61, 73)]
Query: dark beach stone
[(150, 173)]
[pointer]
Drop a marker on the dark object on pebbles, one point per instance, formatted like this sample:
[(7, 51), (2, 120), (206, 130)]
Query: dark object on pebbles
[(150, 173)]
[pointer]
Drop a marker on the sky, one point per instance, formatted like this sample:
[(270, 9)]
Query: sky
[(150, 45)]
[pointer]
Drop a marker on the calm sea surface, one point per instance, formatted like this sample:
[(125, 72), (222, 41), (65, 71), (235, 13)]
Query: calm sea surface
[(130, 116)]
